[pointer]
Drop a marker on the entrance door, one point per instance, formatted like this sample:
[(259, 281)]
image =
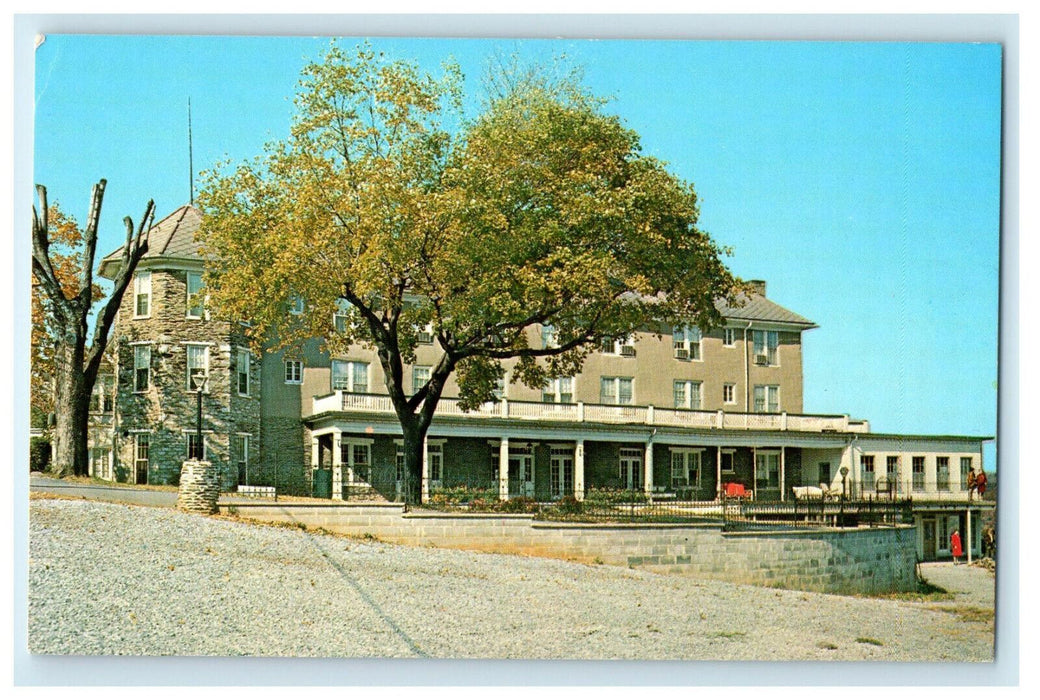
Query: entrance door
[(561, 472), (928, 535), (521, 475), (631, 468)]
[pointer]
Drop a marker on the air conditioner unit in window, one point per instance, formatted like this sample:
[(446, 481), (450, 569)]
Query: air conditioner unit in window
[(628, 351), (682, 353), (761, 359)]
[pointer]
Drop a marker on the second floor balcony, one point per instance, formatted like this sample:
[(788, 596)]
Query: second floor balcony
[(348, 402)]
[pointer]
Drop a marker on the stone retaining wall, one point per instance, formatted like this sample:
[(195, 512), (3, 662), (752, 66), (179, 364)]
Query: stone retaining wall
[(854, 560)]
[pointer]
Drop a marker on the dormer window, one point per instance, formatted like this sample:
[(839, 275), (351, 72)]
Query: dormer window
[(425, 336), (686, 342)]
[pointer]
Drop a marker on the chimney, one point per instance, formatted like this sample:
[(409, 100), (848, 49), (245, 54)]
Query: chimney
[(759, 286)]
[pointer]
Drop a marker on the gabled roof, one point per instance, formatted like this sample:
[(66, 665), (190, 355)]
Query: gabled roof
[(757, 308), (173, 237)]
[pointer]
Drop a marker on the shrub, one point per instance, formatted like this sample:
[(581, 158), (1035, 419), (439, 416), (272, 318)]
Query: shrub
[(39, 454), (520, 504), (615, 496), (569, 505)]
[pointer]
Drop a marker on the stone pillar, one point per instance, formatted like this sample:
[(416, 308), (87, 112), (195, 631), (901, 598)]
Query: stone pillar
[(425, 470), (199, 487), (337, 466), (503, 470), (648, 468), (579, 469)]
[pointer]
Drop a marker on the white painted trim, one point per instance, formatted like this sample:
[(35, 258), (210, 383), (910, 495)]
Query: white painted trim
[(197, 342), (142, 342)]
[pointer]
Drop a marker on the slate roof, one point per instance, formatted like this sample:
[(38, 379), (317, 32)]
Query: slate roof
[(757, 308), (173, 237)]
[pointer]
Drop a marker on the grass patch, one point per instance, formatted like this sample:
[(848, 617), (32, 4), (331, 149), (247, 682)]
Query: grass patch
[(869, 640), (925, 593), (729, 635), (829, 646), (968, 613)]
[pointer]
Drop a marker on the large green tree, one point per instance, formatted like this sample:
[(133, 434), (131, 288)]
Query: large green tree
[(541, 211)]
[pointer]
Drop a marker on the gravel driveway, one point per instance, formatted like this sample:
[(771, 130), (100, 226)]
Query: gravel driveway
[(125, 580)]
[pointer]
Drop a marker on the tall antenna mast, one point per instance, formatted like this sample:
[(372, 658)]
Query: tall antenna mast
[(191, 164)]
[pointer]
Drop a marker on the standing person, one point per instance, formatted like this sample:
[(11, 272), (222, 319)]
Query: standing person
[(972, 482), (980, 483), (955, 545)]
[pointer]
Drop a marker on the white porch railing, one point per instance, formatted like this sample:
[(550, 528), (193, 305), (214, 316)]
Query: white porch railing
[(599, 413)]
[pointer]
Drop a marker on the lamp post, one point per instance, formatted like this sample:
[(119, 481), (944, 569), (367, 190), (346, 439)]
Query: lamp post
[(199, 380)]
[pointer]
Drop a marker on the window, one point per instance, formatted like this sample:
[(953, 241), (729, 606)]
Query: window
[(766, 344), (686, 343), (296, 306), (866, 471), (198, 364), (399, 462), (142, 367), (293, 371), (892, 470), (141, 458), (942, 473), (686, 468), (767, 398), (101, 399), (341, 317), (729, 337), (561, 471), (420, 375), (242, 368), (350, 376), (824, 469), (434, 460), (560, 390), (191, 443), (357, 456), (918, 473), (966, 469), (425, 336), (687, 394), (195, 298), (242, 453), (142, 294), (767, 470), (550, 338), (618, 346), (726, 463), (615, 390), (500, 389), (729, 393)]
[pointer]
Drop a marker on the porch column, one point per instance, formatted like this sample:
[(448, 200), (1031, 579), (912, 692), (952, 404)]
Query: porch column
[(425, 470), (503, 470), (783, 465), (337, 465), (579, 469), (648, 468), (967, 536), (754, 473), (718, 471)]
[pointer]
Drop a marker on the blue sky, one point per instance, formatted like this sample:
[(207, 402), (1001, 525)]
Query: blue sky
[(862, 181)]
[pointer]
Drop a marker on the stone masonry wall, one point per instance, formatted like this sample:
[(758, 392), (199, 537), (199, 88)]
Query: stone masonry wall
[(867, 560)]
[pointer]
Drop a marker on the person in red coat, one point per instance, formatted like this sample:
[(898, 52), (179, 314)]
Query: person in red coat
[(955, 545)]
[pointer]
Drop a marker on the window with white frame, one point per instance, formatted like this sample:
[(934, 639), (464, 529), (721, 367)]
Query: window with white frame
[(142, 367), (242, 458), (686, 468), (296, 305), (399, 463), (420, 375), (141, 442), (191, 445), (550, 338), (435, 460), (767, 470), (293, 371), (425, 335), (559, 390), (625, 347), (242, 372), (198, 364), (686, 342), (350, 375), (500, 389), (726, 465), (357, 455), (729, 337), (687, 394), (766, 346), (561, 471), (615, 390), (767, 398), (195, 299), (892, 470), (341, 316), (942, 473), (143, 294), (729, 393)]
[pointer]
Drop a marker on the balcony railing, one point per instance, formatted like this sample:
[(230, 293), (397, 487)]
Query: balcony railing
[(341, 401)]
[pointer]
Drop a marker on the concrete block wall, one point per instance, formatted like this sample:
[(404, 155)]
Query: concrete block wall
[(874, 560)]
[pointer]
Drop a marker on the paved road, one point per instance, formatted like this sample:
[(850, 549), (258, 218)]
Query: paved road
[(97, 492)]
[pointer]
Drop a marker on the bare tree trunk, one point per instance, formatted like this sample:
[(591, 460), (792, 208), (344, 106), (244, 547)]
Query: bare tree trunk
[(414, 436), (72, 401)]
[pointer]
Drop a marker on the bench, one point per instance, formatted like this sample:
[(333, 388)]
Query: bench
[(257, 491)]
